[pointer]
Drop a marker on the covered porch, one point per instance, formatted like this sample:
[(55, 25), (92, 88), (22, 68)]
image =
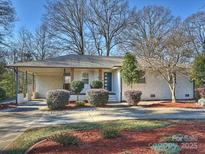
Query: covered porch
[(50, 78)]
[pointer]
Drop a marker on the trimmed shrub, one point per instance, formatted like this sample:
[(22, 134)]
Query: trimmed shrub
[(77, 87), (98, 97), (57, 99), (133, 96), (65, 139), (2, 93), (80, 104), (97, 84), (110, 133), (166, 148)]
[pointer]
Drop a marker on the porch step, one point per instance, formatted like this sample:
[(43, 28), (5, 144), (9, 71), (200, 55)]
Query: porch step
[(112, 98)]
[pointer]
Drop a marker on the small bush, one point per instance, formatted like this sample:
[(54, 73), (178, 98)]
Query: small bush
[(97, 84), (166, 148), (57, 99), (200, 92), (98, 97), (77, 87), (133, 96), (2, 93), (110, 133), (201, 101), (65, 139), (80, 104)]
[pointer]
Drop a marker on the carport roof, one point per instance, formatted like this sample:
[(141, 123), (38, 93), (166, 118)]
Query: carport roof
[(74, 61)]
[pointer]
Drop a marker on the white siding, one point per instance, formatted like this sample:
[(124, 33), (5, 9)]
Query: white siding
[(45, 83), (156, 85), (184, 86)]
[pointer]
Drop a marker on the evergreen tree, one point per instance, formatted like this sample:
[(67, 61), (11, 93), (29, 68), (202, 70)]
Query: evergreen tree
[(198, 70), (129, 71)]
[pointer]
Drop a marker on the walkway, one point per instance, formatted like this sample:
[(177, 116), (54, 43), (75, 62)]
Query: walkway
[(119, 112)]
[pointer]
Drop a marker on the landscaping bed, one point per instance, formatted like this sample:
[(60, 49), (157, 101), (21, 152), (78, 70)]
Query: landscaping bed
[(132, 136), (129, 141), (189, 105), (7, 106), (32, 136)]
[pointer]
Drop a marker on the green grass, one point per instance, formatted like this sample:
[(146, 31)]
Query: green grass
[(80, 104), (65, 139), (109, 133), (31, 136)]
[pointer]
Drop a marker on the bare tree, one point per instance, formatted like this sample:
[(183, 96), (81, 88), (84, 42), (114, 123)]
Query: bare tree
[(107, 20), (43, 44), (7, 17), (158, 39), (195, 28), (24, 46), (66, 22)]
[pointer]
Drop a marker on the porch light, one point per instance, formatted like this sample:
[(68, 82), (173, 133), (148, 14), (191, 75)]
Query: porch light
[(67, 77)]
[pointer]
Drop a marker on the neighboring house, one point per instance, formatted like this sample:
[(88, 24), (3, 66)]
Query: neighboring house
[(57, 73)]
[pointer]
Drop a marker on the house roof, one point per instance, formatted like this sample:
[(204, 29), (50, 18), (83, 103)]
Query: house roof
[(74, 61)]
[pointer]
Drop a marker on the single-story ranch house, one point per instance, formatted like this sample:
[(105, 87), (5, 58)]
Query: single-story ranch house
[(57, 73)]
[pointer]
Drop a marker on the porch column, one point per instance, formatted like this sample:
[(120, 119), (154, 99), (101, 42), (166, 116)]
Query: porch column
[(64, 74), (100, 74), (72, 74), (26, 82), (17, 83), (33, 88)]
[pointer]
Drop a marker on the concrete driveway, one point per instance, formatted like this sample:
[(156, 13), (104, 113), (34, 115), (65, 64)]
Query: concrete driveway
[(15, 121)]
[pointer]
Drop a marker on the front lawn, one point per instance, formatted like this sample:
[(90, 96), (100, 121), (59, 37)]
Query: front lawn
[(32, 136)]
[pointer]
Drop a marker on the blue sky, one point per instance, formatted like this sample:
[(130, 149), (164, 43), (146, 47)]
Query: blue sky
[(29, 12)]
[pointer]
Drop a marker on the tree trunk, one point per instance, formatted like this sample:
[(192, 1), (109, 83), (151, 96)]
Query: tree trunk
[(173, 91), (172, 87)]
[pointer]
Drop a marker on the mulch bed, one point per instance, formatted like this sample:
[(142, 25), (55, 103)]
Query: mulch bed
[(132, 142), (189, 105), (7, 106), (72, 105)]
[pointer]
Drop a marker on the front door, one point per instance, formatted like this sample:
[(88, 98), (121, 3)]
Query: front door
[(108, 81)]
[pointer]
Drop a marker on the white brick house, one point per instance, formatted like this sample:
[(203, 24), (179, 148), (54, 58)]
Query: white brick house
[(57, 73)]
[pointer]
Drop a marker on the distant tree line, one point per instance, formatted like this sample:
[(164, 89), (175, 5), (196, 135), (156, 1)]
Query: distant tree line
[(103, 27)]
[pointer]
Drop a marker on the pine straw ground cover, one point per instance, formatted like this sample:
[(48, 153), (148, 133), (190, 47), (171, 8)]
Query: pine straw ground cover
[(136, 136)]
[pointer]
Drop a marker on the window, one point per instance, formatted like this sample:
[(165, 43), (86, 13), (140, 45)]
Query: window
[(85, 78), (142, 77)]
